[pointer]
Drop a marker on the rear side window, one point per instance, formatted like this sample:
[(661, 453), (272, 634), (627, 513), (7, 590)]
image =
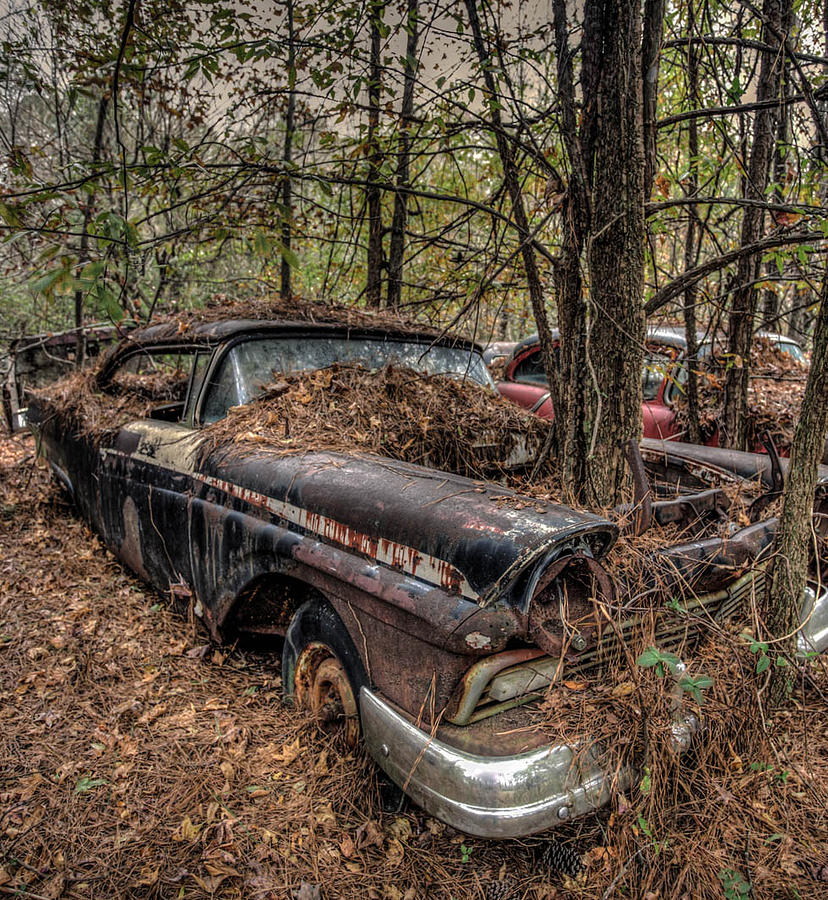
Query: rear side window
[(154, 382), (530, 369)]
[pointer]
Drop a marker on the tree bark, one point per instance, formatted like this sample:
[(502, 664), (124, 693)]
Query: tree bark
[(569, 398), (396, 248), (691, 239), (794, 538), (615, 253), (744, 300), (374, 261), (287, 158), (650, 55)]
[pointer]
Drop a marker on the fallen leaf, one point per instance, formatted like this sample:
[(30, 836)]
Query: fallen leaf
[(368, 835), (623, 690), (186, 831)]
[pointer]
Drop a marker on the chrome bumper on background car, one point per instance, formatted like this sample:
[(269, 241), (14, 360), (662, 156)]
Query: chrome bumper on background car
[(490, 797)]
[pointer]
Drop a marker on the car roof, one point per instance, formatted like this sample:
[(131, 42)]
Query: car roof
[(192, 330), (670, 335), (213, 332)]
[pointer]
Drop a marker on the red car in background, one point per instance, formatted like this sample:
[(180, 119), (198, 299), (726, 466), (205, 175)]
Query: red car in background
[(662, 377)]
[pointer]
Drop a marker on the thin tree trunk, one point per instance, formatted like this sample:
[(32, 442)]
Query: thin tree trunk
[(287, 158), (691, 240), (512, 180), (794, 538), (83, 249), (744, 301), (398, 224), (373, 289), (570, 399), (650, 54)]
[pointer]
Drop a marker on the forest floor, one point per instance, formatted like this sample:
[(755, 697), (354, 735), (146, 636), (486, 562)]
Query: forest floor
[(137, 759)]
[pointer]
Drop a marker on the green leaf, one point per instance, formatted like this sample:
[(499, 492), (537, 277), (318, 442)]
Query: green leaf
[(9, 214), (289, 257), (762, 663), (649, 658), (646, 783), (87, 784), (261, 244), (46, 282)]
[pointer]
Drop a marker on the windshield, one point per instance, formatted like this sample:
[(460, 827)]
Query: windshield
[(251, 365), (792, 349), (653, 374)]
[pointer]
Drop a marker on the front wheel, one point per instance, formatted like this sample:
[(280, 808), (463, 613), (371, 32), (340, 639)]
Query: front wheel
[(322, 671)]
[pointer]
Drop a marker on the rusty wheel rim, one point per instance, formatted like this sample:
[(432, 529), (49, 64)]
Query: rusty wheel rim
[(322, 686)]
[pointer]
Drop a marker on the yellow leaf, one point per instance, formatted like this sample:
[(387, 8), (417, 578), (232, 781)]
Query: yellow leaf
[(186, 831), (624, 689)]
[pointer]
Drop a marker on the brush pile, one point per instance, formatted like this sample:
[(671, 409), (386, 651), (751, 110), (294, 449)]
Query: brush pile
[(294, 310), (775, 391), (78, 402), (455, 426), (741, 813)]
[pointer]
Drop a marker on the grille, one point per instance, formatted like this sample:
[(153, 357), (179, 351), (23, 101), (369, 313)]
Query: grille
[(677, 623)]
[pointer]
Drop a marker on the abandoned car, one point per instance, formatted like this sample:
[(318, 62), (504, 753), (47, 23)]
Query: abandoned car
[(663, 380), (424, 610)]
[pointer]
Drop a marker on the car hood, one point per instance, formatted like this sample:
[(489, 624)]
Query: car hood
[(470, 537), (747, 466)]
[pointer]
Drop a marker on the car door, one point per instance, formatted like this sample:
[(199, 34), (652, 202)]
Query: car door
[(146, 469), (525, 383)]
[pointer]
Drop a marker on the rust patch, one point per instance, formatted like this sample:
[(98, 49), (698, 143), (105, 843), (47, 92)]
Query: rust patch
[(130, 549)]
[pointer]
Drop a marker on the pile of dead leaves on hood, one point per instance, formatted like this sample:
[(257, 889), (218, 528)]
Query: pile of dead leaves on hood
[(775, 391), (451, 425)]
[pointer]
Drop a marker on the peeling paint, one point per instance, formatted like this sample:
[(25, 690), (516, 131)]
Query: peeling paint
[(478, 641)]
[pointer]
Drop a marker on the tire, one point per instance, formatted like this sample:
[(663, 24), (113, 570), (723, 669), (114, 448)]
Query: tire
[(321, 666)]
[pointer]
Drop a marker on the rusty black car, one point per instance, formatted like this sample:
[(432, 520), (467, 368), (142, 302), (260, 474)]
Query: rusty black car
[(424, 611)]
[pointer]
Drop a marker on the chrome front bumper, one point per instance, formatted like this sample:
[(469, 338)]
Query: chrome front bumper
[(491, 797)]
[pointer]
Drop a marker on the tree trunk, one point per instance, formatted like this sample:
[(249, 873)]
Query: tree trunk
[(691, 239), (398, 223), (794, 538), (83, 249), (287, 158), (373, 288), (615, 255), (512, 180), (744, 301), (650, 53), (569, 398)]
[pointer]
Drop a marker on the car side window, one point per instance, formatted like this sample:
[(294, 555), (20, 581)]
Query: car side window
[(530, 369), (153, 383), (225, 389)]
